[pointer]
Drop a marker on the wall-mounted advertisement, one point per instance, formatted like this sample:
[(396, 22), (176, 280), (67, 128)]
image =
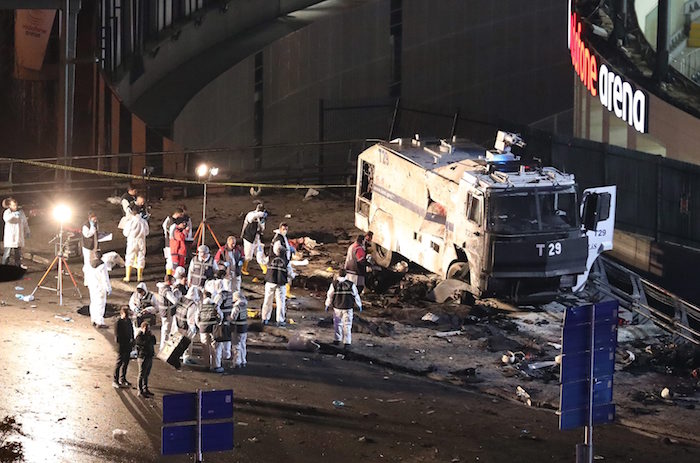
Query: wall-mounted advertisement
[(617, 93)]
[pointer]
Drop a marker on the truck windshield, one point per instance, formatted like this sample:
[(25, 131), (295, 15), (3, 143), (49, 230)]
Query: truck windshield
[(527, 212)]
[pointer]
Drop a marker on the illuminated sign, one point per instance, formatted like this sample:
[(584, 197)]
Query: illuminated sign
[(616, 94)]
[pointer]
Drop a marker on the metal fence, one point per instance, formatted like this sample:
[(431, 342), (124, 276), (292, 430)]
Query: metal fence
[(657, 197), (285, 164)]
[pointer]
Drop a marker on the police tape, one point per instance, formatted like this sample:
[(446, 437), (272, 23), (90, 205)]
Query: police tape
[(104, 173)]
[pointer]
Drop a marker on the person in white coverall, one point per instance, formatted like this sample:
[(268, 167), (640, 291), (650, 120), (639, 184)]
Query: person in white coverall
[(136, 230), (97, 281), (167, 225), (224, 301), (253, 226), (16, 228), (343, 297), (168, 297), (186, 318), (209, 315), (275, 281), (239, 324), (90, 233)]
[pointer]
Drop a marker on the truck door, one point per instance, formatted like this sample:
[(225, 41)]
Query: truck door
[(598, 220), (474, 235)]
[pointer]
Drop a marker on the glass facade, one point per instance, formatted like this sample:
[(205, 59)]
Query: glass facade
[(594, 122)]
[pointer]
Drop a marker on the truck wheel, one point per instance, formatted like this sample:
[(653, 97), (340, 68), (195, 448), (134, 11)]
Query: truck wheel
[(459, 271), (382, 256)]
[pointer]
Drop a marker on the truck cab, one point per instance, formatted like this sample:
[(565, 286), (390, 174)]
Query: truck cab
[(504, 227)]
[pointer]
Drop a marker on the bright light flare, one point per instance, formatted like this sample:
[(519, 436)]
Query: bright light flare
[(62, 213), (214, 171), (202, 170)]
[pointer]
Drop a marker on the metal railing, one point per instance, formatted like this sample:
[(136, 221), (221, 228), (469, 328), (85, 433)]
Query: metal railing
[(689, 65), (648, 301)]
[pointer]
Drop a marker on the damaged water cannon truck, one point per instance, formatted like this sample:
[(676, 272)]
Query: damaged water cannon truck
[(504, 227)]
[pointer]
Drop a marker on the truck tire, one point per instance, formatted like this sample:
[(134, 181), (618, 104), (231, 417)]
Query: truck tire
[(459, 270), (381, 255)]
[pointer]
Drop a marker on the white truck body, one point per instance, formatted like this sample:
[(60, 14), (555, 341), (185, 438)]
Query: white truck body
[(460, 211)]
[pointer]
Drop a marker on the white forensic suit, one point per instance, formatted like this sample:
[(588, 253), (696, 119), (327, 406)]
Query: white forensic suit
[(239, 323), (89, 230), (168, 298), (141, 305), (255, 247), (136, 230), (208, 315), (224, 301), (16, 228), (190, 306), (167, 223), (99, 286), (342, 295)]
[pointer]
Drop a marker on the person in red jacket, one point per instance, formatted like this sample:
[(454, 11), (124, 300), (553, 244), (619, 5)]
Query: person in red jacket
[(178, 245), (356, 263)]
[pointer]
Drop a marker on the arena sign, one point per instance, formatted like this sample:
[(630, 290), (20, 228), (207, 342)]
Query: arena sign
[(618, 95)]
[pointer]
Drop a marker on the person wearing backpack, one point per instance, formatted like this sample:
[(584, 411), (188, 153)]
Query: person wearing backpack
[(343, 297), (185, 318), (209, 315)]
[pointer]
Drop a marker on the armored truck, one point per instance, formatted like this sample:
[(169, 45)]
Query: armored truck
[(505, 227)]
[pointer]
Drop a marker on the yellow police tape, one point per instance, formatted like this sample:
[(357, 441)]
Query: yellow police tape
[(104, 173)]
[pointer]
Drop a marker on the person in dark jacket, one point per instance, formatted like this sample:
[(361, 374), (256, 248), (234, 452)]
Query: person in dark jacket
[(124, 335), (145, 345), (343, 297), (276, 280)]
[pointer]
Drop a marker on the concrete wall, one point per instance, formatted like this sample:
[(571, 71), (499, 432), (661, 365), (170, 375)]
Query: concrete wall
[(505, 59), (216, 26)]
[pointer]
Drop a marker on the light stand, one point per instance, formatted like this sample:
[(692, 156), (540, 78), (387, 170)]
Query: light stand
[(60, 261), (208, 172)]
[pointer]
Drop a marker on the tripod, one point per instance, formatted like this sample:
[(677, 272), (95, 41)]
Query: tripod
[(204, 226), (60, 261)]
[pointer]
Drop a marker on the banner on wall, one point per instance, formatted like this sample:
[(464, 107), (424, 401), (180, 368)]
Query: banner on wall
[(32, 30), (617, 94)]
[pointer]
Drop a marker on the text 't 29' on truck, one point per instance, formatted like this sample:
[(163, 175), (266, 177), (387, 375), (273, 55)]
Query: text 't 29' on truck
[(505, 228)]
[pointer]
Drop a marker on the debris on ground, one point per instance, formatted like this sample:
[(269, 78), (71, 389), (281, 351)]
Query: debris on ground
[(430, 317), (446, 334), (119, 433), (10, 449), (338, 403), (447, 289), (302, 343), (310, 193), (523, 396), (666, 393), (382, 329), (65, 319)]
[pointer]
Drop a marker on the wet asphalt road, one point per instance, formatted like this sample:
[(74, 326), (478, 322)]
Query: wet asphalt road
[(56, 378)]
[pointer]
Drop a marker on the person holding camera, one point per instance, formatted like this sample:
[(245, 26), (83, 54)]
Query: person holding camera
[(16, 229), (88, 239), (253, 228)]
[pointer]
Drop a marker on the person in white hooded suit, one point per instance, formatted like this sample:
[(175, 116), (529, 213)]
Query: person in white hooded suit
[(136, 230), (99, 286)]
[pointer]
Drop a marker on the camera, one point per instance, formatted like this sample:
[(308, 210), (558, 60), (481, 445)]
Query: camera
[(148, 171)]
